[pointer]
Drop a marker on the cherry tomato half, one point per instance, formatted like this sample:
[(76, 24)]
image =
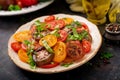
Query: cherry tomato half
[(59, 52), (51, 40), (63, 35), (16, 46), (50, 65), (51, 25), (61, 23), (23, 35), (86, 45), (55, 24), (22, 54), (83, 27), (68, 20), (49, 18)]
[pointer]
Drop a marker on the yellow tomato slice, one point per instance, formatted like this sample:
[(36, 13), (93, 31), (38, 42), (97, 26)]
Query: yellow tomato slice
[(23, 55), (59, 52), (21, 36), (68, 20), (51, 40)]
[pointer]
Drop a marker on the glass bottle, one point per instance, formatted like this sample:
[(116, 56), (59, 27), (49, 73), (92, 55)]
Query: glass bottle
[(96, 10)]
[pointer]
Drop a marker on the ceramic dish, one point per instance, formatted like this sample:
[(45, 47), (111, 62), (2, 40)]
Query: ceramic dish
[(26, 10), (113, 28), (96, 43)]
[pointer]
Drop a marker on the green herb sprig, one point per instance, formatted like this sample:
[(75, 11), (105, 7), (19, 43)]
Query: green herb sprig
[(13, 7), (30, 51)]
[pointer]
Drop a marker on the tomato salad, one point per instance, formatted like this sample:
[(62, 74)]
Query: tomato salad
[(55, 41)]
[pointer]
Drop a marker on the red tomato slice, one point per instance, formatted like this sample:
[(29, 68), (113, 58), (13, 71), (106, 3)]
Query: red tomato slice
[(61, 23), (28, 2), (51, 25), (19, 3), (16, 46), (86, 45), (49, 18), (55, 24), (50, 65), (63, 35), (83, 27)]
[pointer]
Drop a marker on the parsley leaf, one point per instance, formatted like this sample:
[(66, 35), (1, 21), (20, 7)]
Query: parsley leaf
[(106, 55)]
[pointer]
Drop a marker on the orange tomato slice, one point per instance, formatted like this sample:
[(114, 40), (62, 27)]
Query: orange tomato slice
[(59, 52), (51, 40), (68, 20), (21, 36), (23, 55)]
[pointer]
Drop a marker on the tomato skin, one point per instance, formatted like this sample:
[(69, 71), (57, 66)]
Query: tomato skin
[(68, 20), (61, 23), (55, 24), (49, 65), (82, 27), (86, 45), (16, 46), (85, 26), (63, 35), (27, 3), (19, 3), (22, 54), (23, 35), (49, 18), (51, 25), (51, 40), (74, 50), (59, 52)]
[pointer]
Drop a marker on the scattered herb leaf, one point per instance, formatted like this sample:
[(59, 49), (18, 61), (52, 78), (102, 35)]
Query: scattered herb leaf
[(106, 55), (66, 64)]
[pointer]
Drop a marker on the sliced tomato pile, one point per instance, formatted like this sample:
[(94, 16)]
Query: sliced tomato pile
[(53, 42)]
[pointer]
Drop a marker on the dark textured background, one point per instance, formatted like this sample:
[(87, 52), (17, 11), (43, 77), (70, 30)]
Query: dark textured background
[(99, 70)]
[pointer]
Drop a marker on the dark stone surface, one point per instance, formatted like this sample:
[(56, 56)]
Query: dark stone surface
[(9, 71)]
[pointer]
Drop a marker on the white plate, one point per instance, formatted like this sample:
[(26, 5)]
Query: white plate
[(26, 10), (96, 43)]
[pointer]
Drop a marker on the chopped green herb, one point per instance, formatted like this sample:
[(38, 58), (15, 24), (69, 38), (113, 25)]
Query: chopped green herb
[(27, 42), (29, 53), (55, 32), (45, 44), (31, 62), (74, 24), (77, 36), (106, 55), (40, 25), (13, 7), (66, 64), (75, 33)]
